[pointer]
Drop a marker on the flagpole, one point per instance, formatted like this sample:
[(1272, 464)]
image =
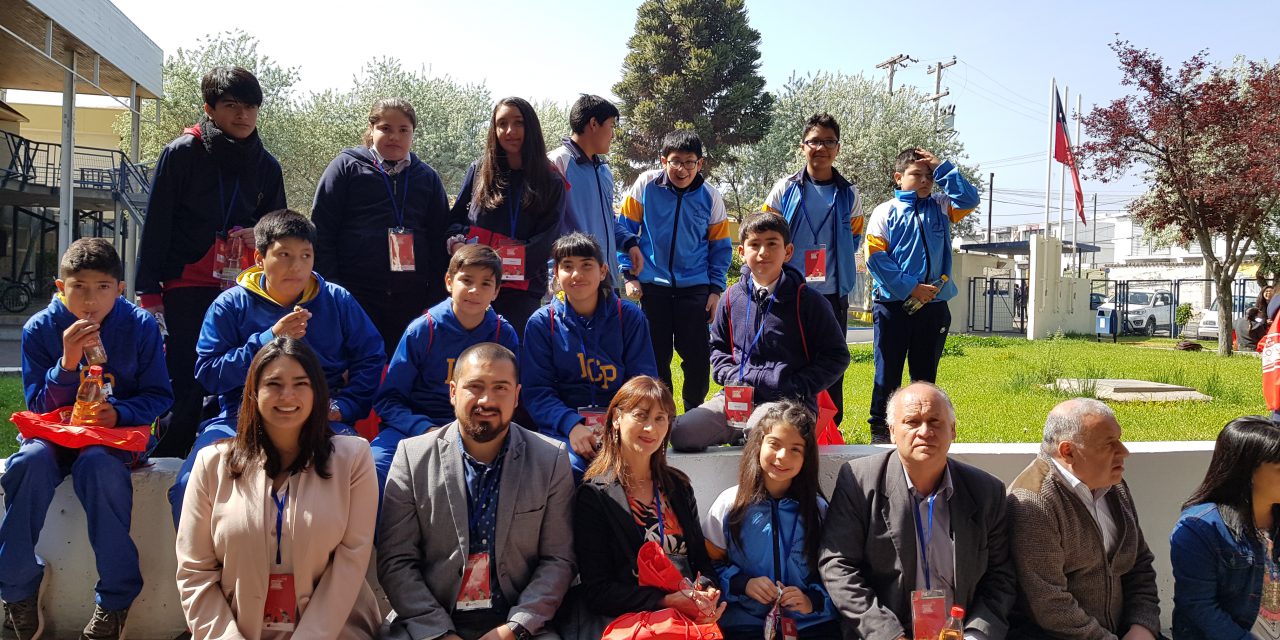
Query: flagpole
[(1062, 170), (1048, 165), (1075, 219)]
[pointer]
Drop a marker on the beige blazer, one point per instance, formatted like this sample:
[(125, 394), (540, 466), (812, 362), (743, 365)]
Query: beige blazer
[(224, 559)]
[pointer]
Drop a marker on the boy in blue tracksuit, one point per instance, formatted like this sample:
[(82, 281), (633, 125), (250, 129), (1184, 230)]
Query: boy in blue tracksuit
[(88, 311), (684, 236), (825, 214), (414, 397), (282, 296), (908, 249), (580, 349), (589, 182), (773, 335)]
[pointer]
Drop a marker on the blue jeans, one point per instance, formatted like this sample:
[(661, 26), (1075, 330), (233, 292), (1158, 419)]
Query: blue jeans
[(100, 476), (214, 430)]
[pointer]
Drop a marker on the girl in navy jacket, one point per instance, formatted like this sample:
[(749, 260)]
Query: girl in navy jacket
[(366, 195), (765, 532), (513, 200), (578, 350)]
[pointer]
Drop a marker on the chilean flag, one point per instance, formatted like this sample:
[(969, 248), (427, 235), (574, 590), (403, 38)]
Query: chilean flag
[(1062, 153)]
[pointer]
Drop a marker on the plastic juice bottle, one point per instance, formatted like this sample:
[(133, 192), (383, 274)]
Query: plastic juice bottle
[(913, 305), (955, 625), (88, 397), (95, 353)]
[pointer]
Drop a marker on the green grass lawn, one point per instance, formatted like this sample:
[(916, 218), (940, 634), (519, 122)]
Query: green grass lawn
[(996, 385)]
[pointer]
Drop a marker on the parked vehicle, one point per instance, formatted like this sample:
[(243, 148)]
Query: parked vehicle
[(1146, 311), (1207, 329)]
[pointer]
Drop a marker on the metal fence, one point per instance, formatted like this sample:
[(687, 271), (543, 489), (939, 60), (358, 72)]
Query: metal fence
[(997, 305)]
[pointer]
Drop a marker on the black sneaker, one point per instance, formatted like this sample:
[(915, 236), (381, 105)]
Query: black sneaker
[(25, 619), (105, 625)]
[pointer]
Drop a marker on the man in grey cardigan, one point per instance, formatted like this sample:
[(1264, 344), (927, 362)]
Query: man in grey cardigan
[(475, 540), (1084, 570)]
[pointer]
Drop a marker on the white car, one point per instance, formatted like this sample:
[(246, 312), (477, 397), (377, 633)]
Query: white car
[(1208, 327), (1146, 311)]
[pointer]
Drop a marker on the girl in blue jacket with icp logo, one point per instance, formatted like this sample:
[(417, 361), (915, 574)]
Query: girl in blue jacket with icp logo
[(579, 349), (764, 533)]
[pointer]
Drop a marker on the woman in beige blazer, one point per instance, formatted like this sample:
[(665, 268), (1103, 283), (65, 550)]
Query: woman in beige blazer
[(285, 504)]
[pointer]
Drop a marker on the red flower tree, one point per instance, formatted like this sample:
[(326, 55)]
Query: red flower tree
[(1207, 140)]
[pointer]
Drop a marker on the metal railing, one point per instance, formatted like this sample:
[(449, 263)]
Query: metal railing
[(31, 163)]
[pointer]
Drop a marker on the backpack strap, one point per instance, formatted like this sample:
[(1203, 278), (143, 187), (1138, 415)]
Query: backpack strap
[(803, 341), (728, 311), (431, 331)]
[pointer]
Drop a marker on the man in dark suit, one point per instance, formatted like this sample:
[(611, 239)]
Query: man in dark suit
[(872, 558), (475, 538)]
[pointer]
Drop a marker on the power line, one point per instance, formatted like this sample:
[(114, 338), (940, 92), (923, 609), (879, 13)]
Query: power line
[(893, 64), (1035, 103)]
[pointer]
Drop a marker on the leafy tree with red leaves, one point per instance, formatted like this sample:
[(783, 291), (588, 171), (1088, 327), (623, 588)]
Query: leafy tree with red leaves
[(1207, 140)]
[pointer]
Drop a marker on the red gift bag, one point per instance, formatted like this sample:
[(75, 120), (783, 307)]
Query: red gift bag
[(49, 426)]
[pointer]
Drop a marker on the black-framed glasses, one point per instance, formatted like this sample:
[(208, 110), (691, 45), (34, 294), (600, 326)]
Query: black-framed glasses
[(815, 143), (687, 165)]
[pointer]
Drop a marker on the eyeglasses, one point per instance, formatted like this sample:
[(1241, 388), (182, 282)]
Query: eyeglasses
[(818, 144), (687, 165)]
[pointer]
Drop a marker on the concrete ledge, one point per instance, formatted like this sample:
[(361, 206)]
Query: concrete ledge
[(1160, 474)]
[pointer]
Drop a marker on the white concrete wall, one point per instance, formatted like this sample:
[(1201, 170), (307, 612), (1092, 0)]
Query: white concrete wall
[(1161, 475), (1057, 302), (963, 267)]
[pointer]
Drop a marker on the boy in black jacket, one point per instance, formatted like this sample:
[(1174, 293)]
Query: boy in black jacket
[(211, 186), (772, 338)]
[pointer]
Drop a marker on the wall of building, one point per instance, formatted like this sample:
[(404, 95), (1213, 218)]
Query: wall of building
[(93, 125), (1057, 302)]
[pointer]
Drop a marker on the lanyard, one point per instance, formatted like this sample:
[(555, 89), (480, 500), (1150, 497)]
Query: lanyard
[(595, 343), (386, 179), (804, 211), (280, 502), (225, 206), (657, 507), (746, 353), (477, 507), (923, 537), (513, 206), (787, 542)]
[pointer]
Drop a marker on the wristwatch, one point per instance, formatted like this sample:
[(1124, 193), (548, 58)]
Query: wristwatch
[(518, 629)]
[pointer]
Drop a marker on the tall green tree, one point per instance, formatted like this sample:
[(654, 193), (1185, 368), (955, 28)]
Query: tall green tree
[(693, 64), (874, 128)]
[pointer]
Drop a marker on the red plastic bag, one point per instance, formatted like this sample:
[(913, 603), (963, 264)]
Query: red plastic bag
[(664, 624), (828, 432), (49, 426), (1270, 348)]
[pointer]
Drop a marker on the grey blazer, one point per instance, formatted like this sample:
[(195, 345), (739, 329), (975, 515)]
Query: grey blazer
[(423, 538), (868, 556)]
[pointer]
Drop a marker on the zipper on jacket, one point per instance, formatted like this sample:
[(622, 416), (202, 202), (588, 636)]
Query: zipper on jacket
[(675, 230), (928, 260), (607, 209)]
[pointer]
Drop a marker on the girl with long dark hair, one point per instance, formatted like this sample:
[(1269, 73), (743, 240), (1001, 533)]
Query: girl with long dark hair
[(380, 214), (281, 514), (512, 199), (1225, 569), (766, 530), (629, 496)]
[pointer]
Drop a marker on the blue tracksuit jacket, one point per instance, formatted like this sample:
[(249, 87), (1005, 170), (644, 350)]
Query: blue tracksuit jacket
[(589, 202), (684, 235), (841, 231)]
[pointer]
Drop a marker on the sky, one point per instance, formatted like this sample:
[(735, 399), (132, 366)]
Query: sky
[(1007, 52)]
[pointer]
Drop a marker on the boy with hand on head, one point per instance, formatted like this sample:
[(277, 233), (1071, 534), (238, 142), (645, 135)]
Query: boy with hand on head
[(825, 214), (282, 296), (772, 338), (684, 237), (87, 312), (908, 253), (211, 186), (414, 397), (589, 181)]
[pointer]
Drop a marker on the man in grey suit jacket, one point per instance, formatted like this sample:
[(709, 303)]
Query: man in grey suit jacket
[(871, 557), (475, 538)]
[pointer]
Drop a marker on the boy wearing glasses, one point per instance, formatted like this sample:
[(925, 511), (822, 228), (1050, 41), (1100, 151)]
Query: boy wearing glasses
[(683, 233), (825, 215)]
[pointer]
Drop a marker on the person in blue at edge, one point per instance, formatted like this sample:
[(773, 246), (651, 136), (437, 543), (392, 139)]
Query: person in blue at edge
[(282, 296), (87, 311), (414, 397), (909, 249), (1226, 577), (579, 349)]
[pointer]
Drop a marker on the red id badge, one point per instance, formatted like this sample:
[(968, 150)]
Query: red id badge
[(513, 267), (928, 614), (787, 628), (738, 404), (280, 613), (815, 264), (226, 261), (400, 248), (474, 593), (593, 417)]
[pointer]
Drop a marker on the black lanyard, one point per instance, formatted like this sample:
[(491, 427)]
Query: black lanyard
[(227, 207)]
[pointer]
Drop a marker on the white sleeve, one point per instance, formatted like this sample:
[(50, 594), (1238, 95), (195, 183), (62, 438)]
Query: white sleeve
[(713, 525), (773, 202)]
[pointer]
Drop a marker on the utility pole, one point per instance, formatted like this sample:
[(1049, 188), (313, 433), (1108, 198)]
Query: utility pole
[(991, 196), (938, 93), (891, 65)]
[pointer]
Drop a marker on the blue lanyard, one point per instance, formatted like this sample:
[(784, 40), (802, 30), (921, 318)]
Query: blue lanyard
[(924, 537), (386, 180), (785, 552), (657, 506), (513, 206), (280, 502), (804, 211), (480, 504), (746, 353), (222, 204), (582, 340)]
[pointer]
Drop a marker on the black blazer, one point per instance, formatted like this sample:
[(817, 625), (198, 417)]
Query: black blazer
[(606, 540)]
